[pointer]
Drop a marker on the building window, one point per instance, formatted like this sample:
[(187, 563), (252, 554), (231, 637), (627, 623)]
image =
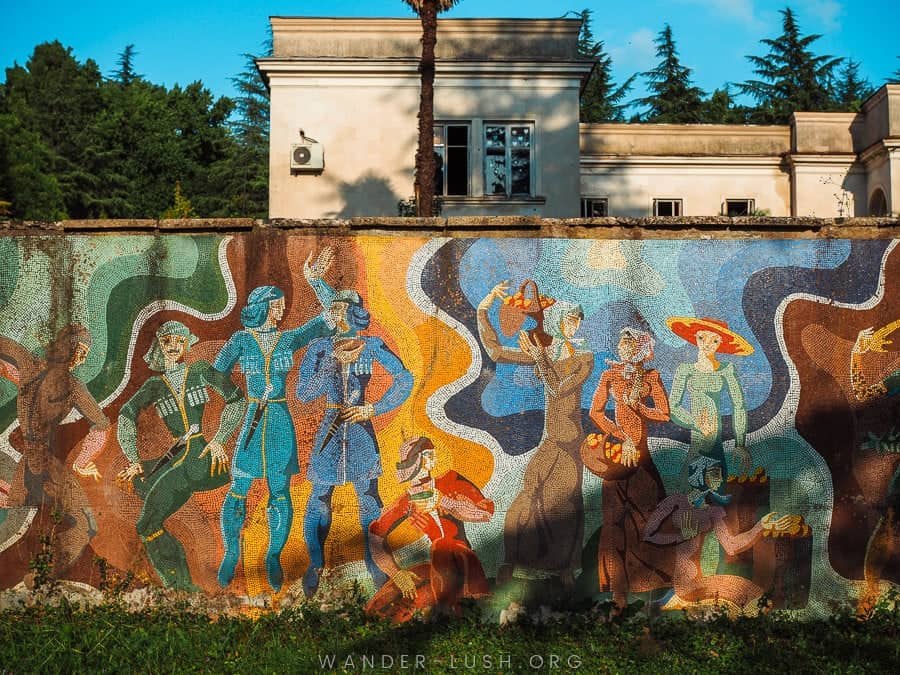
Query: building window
[(508, 156), (739, 207), (451, 154), (666, 207), (594, 207)]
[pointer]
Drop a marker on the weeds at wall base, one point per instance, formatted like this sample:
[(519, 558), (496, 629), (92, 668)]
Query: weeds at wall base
[(174, 636)]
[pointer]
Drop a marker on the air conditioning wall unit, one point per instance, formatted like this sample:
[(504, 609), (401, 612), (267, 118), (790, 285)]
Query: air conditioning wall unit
[(307, 156)]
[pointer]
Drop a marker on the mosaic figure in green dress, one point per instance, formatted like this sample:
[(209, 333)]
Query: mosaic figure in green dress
[(179, 395), (704, 382)]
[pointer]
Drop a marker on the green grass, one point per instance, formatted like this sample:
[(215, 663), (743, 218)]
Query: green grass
[(109, 639)]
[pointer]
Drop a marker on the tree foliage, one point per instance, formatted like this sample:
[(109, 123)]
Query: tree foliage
[(850, 89), (602, 100), (673, 97), (74, 144), (244, 176), (791, 76), (895, 78)]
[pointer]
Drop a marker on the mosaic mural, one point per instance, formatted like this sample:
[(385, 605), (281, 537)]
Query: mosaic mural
[(532, 421)]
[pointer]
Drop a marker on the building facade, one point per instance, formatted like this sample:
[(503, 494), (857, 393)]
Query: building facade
[(345, 96)]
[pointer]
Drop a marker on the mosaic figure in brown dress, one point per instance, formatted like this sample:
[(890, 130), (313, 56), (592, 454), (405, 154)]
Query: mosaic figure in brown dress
[(544, 526), (48, 391)]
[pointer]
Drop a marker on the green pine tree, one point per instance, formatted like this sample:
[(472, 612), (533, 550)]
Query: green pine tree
[(601, 99), (673, 98), (792, 77), (895, 78), (720, 108), (125, 74), (850, 90), (244, 175)]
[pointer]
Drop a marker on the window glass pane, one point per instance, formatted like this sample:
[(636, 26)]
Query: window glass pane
[(457, 171), (494, 138), (521, 172), (520, 137), (676, 207), (495, 174), (438, 134), (457, 135), (737, 207), (664, 208), (439, 171), (594, 208)]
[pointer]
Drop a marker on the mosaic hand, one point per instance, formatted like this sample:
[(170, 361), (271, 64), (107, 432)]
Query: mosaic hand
[(124, 477), (406, 583), (219, 458)]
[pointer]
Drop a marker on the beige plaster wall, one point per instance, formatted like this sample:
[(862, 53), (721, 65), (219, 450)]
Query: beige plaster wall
[(823, 187), (690, 140), (366, 121), (825, 133), (703, 185), (473, 39)]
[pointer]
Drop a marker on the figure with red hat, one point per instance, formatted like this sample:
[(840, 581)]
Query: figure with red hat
[(703, 382), (438, 507)]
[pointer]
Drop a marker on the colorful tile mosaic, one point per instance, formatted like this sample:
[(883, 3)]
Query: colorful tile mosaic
[(688, 422)]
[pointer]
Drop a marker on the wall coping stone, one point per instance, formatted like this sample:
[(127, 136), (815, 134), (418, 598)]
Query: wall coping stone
[(695, 227)]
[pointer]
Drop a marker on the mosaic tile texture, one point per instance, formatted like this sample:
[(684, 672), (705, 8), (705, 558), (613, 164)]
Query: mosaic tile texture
[(684, 422)]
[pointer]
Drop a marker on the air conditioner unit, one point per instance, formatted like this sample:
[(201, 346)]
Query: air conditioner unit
[(307, 156)]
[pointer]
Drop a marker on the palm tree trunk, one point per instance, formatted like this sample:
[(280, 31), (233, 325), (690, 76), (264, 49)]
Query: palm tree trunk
[(425, 165)]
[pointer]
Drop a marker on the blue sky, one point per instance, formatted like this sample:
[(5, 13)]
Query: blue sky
[(181, 42)]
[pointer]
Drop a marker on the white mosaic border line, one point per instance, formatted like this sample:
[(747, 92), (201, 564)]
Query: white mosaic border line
[(825, 583), (162, 305), (18, 534), (506, 479)]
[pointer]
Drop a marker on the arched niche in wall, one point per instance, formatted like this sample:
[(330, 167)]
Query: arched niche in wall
[(877, 203)]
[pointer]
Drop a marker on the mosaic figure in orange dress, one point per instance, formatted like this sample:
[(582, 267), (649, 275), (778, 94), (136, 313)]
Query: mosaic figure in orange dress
[(625, 561)]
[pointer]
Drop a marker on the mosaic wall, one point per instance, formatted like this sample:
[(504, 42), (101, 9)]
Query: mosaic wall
[(684, 422)]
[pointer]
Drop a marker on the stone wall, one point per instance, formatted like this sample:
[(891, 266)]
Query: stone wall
[(705, 413)]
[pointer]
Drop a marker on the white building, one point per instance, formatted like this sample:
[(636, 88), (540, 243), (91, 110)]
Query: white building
[(345, 96)]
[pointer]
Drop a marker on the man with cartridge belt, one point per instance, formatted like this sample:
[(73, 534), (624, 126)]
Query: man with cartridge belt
[(192, 464)]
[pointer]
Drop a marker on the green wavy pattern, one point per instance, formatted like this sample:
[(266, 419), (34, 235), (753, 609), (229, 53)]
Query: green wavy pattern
[(111, 279)]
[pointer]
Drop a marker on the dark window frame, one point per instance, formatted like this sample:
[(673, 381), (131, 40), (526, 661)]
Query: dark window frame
[(509, 151), (750, 206), (676, 206), (442, 151), (588, 202)]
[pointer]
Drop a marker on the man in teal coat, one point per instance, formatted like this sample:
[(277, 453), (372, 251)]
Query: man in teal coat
[(266, 447)]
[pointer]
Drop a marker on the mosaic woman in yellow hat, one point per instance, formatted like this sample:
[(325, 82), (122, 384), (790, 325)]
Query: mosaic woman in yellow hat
[(703, 382)]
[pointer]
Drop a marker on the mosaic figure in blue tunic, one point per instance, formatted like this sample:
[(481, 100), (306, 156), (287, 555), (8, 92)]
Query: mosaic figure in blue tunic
[(345, 449), (266, 447)]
